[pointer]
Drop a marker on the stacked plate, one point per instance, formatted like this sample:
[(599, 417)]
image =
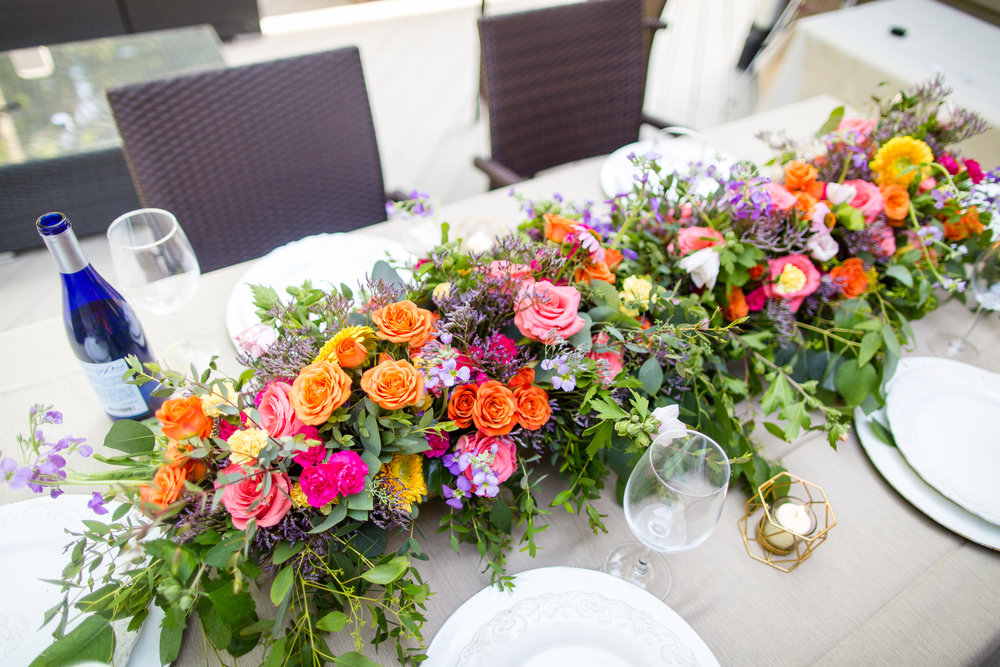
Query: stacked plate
[(943, 416)]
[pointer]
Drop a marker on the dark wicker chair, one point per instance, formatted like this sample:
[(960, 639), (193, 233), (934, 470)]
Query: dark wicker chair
[(250, 158), (562, 84)]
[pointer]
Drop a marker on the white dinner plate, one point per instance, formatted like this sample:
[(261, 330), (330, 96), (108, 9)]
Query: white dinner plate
[(889, 461), (31, 550), (618, 174), (566, 616), (326, 259)]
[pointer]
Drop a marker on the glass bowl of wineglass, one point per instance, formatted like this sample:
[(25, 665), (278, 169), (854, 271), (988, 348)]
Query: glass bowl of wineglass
[(158, 271), (673, 500), (985, 284)]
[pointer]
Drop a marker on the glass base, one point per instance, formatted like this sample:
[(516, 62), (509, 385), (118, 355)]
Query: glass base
[(184, 353), (952, 346), (638, 564)]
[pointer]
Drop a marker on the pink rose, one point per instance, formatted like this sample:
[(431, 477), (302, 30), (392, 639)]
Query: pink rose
[(692, 239), (975, 171), (501, 448), (927, 185), (504, 269), (245, 499), (616, 362), (794, 278), (439, 443), (276, 413), (867, 199), (342, 475), (781, 198), (544, 309), (256, 340), (757, 298), (860, 128), (885, 241), (312, 456)]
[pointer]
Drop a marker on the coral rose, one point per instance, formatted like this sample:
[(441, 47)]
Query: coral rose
[(557, 227), (532, 405), (342, 475), (523, 377), (867, 199), (544, 309), (277, 415), (183, 418), (799, 175), (168, 482), (404, 322), (494, 412), (318, 390), (850, 277), (737, 307), (393, 384), (502, 451), (896, 203), (178, 456), (244, 496), (594, 271), (692, 239), (613, 357), (795, 277), (460, 404)]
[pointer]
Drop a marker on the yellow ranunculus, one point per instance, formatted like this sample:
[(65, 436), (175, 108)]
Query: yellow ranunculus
[(245, 446), (899, 161), (210, 402), (791, 280)]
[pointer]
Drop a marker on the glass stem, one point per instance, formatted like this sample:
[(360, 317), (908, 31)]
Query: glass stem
[(960, 343), (642, 565)]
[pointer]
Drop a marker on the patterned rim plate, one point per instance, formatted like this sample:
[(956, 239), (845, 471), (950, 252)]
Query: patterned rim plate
[(566, 616)]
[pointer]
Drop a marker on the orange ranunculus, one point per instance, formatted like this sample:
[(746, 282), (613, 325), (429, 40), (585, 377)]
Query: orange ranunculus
[(968, 224), (737, 307), (805, 202), (177, 457), (494, 412), (523, 377), (532, 404), (895, 203), (393, 384), (612, 258), (594, 271), (165, 489), (404, 322), (850, 275), (799, 175), (318, 390), (183, 417), (460, 404), (557, 227)]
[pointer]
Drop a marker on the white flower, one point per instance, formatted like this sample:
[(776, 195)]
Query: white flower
[(822, 246), (669, 418), (256, 340), (818, 218), (838, 193), (421, 236), (703, 267)]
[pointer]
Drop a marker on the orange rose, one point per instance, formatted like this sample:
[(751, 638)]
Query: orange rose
[(460, 404), (317, 391), (404, 322), (350, 352), (799, 175), (532, 404), (966, 225), (557, 227), (612, 258), (393, 384), (895, 203), (737, 307), (523, 377), (183, 417), (165, 489), (494, 412), (805, 202), (177, 457), (594, 271), (850, 275)]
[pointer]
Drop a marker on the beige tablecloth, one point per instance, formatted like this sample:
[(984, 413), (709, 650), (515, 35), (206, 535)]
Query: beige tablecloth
[(889, 586)]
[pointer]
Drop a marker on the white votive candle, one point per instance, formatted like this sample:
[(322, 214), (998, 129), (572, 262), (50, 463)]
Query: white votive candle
[(788, 516)]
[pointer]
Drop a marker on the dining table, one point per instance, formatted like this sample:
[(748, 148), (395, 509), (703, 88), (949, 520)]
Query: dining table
[(889, 586)]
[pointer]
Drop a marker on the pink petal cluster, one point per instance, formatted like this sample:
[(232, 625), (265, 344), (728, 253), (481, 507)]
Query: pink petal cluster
[(692, 239), (544, 308), (277, 416), (342, 475), (245, 499), (616, 362), (504, 459), (867, 199)]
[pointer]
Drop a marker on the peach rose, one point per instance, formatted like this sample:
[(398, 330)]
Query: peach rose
[(460, 404), (799, 175), (861, 128), (404, 322), (557, 227), (737, 307), (505, 269), (168, 482), (177, 456), (544, 309), (896, 202), (504, 461), (693, 239), (318, 390), (494, 412), (245, 498), (393, 384), (523, 377), (532, 405), (183, 418), (851, 278)]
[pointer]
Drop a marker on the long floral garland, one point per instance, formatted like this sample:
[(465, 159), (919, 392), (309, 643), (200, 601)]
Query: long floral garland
[(567, 344)]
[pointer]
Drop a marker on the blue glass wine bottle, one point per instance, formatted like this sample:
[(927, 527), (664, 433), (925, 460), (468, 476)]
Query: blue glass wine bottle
[(101, 326)]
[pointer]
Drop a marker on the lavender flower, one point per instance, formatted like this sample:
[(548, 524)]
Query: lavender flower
[(96, 503)]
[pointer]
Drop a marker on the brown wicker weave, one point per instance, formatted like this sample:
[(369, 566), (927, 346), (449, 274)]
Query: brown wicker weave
[(250, 158), (562, 83)]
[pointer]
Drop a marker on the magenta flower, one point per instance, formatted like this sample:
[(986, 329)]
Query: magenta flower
[(343, 475)]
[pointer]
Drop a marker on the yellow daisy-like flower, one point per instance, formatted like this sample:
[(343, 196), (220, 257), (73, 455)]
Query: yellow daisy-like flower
[(898, 161), (245, 446), (347, 346), (403, 477)]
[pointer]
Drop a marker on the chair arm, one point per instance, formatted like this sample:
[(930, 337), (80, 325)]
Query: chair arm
[(499, 174), (651, 23)]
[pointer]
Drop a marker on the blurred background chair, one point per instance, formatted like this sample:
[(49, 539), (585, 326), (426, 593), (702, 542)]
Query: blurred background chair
[(561, 84), (250, 158)]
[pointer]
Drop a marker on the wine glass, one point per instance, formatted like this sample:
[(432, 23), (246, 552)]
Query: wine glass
[(985, 285), (673, 500), (158, 271)]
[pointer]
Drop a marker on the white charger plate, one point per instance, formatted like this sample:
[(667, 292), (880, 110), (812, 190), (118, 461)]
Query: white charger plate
[(32, 549), (326, 259), (675, 155), (943, 415), (566, 616), (889, 461)]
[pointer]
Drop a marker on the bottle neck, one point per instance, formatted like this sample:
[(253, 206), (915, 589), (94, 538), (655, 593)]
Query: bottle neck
[(55, 230)]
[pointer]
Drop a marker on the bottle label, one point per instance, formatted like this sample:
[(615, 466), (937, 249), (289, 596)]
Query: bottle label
[(116, 397)]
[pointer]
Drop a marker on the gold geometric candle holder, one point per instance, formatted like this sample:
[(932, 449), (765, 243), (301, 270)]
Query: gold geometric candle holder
[(786, 521)]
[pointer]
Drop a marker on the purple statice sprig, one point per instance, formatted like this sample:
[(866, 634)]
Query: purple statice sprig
[(43, 462), (417, 205)]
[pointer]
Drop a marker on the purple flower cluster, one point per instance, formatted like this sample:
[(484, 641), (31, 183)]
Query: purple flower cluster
[(484, 481), (563, 378), (747, 198), (44, 462)]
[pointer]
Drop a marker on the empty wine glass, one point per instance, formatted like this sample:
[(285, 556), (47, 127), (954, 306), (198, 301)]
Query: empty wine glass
[(158, 271), (673, 500), (985, 285)]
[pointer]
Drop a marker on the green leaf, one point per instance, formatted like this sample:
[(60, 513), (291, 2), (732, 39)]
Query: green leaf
[(881, 432), (217, 632), (388, 573), (382, 271), (870, 344), (582, 339), (337, 514), (775, 430), (900, 273), (601, 438), (353, 659), (832, 122), (854, 382), (606, 293), (501, 516), (285, 550), (332, 622), (92, 640), (370, 540), (282, 584), (276, 658), (651, 376), (130, 437), (264, 298), (171, 635)]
